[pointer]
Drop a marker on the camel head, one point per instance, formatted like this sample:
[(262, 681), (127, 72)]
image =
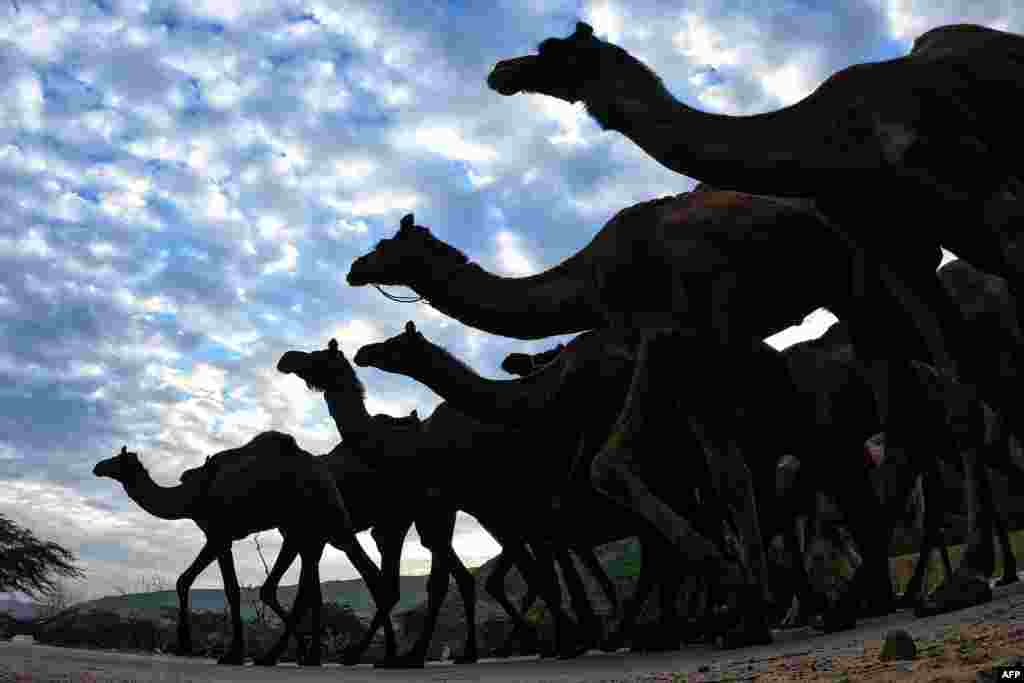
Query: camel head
[(401, 259), (523, 364), (326, 370), (124, 466), (562, 68), (520, 364), (786, 474), (399, 355)]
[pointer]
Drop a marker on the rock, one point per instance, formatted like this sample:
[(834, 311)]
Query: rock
[(898, 645), (992, 675)]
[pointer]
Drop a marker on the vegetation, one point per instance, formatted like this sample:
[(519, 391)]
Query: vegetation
[(30, 565)]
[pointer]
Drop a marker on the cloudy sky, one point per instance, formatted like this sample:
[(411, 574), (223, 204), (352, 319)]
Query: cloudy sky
[(183, 186)]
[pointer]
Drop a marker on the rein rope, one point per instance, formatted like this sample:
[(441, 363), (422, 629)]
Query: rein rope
[(401, 299)]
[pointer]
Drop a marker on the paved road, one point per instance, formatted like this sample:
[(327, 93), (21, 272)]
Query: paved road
[(52, 664)]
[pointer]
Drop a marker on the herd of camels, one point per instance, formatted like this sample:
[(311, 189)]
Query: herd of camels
[(668, 418)]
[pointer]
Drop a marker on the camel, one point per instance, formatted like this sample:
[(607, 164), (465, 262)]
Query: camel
[(552, 396), (522, 365), (688, 260), (596, 370), (863, 127), (447, 437), (927, 132), (270, 467)]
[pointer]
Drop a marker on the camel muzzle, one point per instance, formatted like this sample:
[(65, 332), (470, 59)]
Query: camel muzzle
[(507, 75)]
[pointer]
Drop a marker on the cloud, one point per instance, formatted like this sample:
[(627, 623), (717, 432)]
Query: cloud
[(184, 186)]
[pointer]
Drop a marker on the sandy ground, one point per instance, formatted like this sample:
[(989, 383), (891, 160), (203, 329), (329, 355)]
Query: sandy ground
[(953, 647)]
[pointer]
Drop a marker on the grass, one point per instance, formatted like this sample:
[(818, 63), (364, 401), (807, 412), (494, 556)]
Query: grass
[(902, 567)]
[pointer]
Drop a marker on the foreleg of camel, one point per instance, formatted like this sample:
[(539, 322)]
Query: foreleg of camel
[(522, 631), (382, 597), (308, 597), (209, 552), (538, 572)]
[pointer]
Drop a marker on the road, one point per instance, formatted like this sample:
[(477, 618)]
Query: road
[(52, 664)]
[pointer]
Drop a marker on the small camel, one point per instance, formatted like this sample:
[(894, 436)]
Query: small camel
[(394, 455), (270, 467)]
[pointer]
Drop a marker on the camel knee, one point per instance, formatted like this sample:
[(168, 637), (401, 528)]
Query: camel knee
[(182, 585), (610, 477), (268, 595)]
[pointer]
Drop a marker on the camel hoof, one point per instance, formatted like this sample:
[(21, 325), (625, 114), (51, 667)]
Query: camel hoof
[(743, 636), (264, 661), (1008, 580), (960, 593), (613, 643), (351, 656), (403, 662), (232, 658), (466, 659)]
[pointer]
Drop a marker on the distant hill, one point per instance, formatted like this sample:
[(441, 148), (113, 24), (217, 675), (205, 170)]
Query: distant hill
[(351, 591), (22, 611)]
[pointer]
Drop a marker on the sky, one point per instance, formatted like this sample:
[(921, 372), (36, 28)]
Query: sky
[(184, 184)]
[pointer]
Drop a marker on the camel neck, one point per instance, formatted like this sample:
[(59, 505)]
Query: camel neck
[(165, 502), (514, 403), (349, 413), (776, 153), (549, 303)]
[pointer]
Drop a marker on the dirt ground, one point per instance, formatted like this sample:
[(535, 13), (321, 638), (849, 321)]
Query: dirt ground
[(955, 658)]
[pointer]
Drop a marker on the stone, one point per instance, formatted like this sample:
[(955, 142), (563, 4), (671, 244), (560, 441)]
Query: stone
[(898, 645), (992, 675)]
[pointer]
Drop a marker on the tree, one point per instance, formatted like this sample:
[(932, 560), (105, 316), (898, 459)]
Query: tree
[(58, 599), (30, 565)]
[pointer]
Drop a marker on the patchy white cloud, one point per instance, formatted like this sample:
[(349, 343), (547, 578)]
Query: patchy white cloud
[(163, 166)]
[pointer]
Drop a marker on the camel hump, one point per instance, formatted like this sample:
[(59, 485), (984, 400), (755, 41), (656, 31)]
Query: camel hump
[(408, 422), (264, 443), (953, 36)]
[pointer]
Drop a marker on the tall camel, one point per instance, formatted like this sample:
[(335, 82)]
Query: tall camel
[(727, 263), (928, 132), (271, 467)]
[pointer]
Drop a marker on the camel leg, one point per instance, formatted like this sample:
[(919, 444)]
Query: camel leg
[(435, 535), (522, 630), (236, 652), (304, 599), (268, 591), (969, 585), (616, 473), (540, 572), (795, 537), (467, 590), (207, 554), (389, 539), (585, 615), (649, 573), (594, 568), (375, 583), (311, 657)]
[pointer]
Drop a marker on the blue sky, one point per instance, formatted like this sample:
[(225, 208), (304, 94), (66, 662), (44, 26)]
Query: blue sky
[(183, 186)]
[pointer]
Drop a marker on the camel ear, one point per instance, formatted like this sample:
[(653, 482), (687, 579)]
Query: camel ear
[(410, 327), (332, 347), (414, 414), (407, 223), (124, 450), (583, 30)]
